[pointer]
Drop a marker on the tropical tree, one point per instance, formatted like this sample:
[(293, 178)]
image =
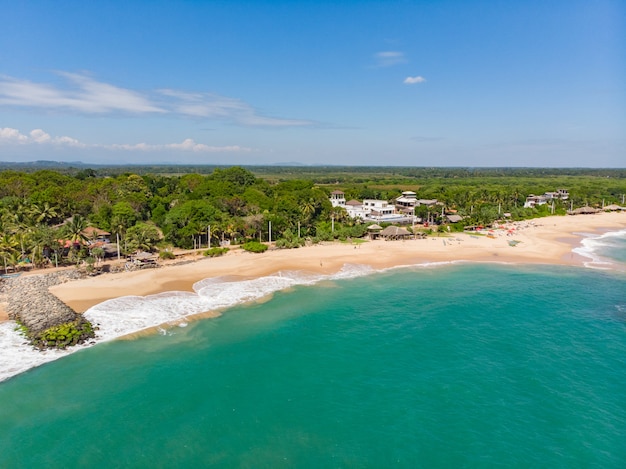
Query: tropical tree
[(9, 247), (188, 220), (74, 229), (43, 242), (43, 213), (142, 236), (308, 210)]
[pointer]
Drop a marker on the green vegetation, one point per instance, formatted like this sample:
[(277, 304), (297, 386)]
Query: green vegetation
[(290, 241), (254, 246), (65, 335), (165, 254), (61, 336), (215, 252), (45, 208)]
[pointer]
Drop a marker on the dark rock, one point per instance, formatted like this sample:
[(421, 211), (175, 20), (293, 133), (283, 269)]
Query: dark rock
[(30, 302)]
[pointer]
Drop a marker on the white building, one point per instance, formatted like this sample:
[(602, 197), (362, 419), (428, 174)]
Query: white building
[(534, 200), (406, 202), (338, 199), (371, 209), (355, 209)]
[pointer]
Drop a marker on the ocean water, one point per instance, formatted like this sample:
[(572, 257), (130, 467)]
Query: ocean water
[(453, 365), (606, 251)]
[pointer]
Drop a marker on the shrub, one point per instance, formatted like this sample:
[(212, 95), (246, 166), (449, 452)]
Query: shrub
[(166, 255), (215, 252), (64, 335), (289, 241), (254, 246)]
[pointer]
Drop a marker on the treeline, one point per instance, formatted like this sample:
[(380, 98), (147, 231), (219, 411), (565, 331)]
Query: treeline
[(39, 208), (321, 173)]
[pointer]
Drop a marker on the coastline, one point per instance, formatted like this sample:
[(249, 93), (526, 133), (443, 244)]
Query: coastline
[(548, 240), (127, 305)]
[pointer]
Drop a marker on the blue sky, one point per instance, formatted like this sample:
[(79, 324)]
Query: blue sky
[(406, 83)]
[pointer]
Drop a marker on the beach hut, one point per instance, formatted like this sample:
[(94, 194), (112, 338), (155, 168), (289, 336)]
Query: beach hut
[(374, 230), (613, 208), (583, 211), (395, 232)]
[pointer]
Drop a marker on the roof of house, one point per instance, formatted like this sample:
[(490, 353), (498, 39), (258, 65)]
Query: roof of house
[(582, 211), (395, 231), (91, 231), (427, 201), (354, 202)]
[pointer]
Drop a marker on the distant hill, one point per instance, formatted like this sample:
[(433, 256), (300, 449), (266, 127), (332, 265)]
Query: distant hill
[(43, 164)]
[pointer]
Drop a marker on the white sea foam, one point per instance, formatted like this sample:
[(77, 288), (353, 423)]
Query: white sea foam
[(603, 250), (16, 356), (129, 314)]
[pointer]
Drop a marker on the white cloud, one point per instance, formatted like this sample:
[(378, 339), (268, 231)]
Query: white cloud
[(85, 95), (389, 58), (11, 136), (186, 145), (414, 80), (213, 106), (39, 136), (36, 136)]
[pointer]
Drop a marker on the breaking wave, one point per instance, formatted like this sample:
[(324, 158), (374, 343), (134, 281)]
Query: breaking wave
[(606, 251), (126, 315)]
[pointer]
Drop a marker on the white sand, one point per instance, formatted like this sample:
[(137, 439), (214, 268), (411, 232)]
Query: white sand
[(542, 241)]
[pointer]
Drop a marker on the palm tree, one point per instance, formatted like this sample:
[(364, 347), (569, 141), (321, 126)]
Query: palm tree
[(9, 246), (42, 238), (308, 210), (43, 213), (74, 229), (143, 236)]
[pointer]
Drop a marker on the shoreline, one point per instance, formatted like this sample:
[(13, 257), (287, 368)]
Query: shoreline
[(152, 301), (548, 240)]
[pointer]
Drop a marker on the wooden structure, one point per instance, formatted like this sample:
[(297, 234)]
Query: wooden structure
[(395, 232)]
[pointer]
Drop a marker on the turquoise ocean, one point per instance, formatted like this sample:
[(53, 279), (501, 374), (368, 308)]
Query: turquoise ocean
[(449, 365)]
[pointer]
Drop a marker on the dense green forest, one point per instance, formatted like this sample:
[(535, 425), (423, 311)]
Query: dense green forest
[(168, 206)]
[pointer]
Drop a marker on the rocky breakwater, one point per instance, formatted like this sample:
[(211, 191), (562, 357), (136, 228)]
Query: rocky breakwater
[(45, 320)]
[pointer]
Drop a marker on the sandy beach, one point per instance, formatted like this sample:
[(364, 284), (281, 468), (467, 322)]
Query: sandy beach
[(541, 241)]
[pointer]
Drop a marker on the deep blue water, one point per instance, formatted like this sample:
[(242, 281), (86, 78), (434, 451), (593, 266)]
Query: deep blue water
[(450, 366)]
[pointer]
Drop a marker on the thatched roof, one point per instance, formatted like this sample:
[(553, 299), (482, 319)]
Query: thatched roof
[(92, 231), (374, 227), (583, 211), (613, 208), (395, 232), (143, 255), (454, 218)]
